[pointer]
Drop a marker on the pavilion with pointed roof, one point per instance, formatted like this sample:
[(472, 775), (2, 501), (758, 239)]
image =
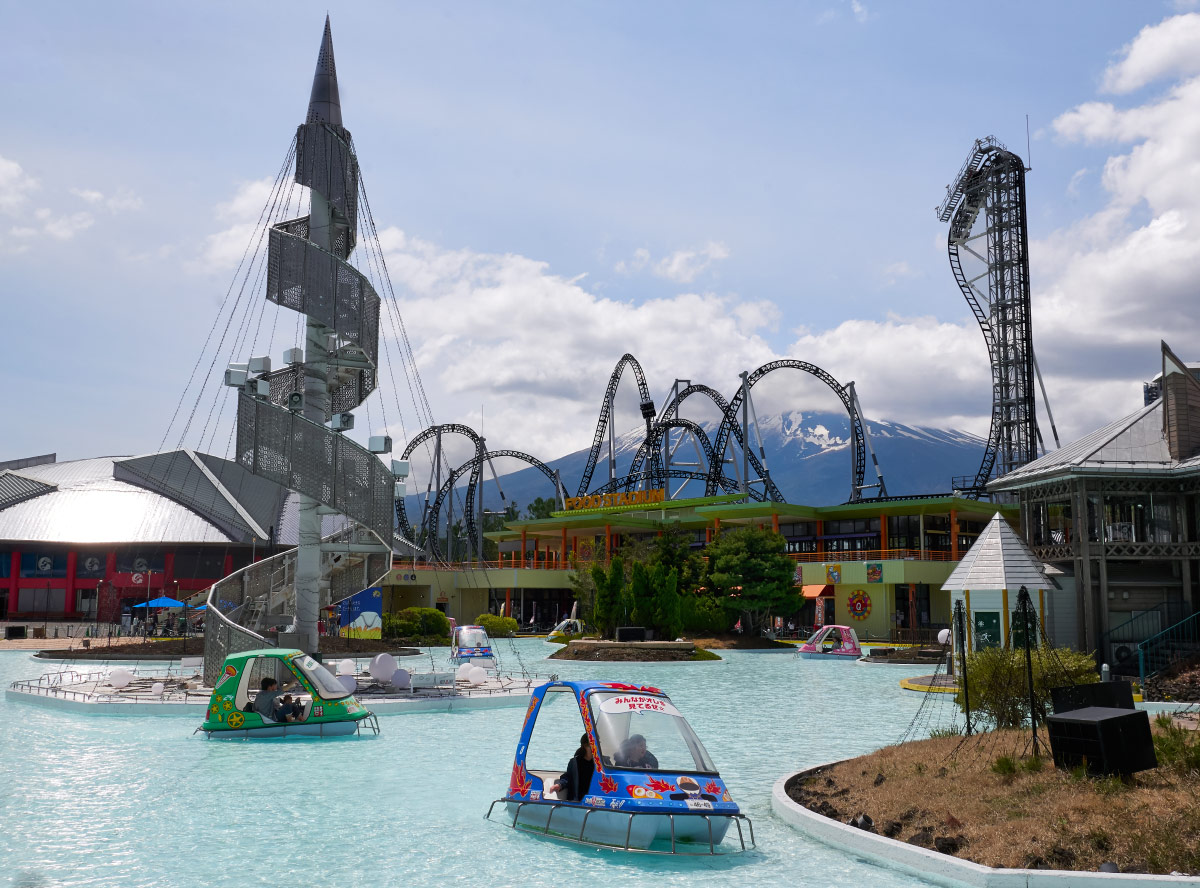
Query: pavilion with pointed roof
[(1118, 512), (987, 581)]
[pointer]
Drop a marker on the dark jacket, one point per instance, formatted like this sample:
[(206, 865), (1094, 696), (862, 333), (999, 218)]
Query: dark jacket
[(578, 779)]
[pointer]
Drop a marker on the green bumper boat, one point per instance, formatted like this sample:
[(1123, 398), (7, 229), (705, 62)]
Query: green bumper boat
[(306, 699)]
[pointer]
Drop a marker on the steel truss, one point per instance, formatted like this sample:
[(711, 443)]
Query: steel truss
[(992, 184)]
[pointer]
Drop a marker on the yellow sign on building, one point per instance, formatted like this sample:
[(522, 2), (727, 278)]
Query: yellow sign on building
[(616, 500)]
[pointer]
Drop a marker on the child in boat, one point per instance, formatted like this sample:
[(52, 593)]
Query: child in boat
[(573, 785), (634, 754)]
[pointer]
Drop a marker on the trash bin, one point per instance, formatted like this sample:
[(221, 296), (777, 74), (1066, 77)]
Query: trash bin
[(11, 632), (39, 631)]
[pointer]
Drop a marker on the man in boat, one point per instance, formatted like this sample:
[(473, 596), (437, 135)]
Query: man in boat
[(268, 705), (634, 754), (573, 785)]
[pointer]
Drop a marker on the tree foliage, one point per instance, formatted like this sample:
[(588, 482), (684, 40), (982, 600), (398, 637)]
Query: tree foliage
[(673, 549), (751, 575), (641, 596), (541, 508), (665, 582), (610, 589)]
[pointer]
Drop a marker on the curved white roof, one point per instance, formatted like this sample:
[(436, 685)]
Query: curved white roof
[(90, 506)]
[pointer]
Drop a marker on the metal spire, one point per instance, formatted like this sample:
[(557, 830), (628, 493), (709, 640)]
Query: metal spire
[(324, 105)]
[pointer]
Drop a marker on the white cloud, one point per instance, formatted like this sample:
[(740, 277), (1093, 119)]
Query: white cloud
[(1165, 49), (1076, 180), (505, 331), (681, 266), (64, 226), (123, 200), (15, 186), (897, 270), (220, 252), (860, 11)]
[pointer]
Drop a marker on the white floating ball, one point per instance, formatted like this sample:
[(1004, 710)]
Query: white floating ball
[(463, 673), (944, 636), (120, 677), (401, 678), (157, 688), (382, 667), (477, 675), (346, 667), (348, 682)]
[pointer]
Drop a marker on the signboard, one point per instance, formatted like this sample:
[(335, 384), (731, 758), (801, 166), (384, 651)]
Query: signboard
[(987, 629), (361, 615), (616, 500), (874, 571), (637, 703), (833, 574)]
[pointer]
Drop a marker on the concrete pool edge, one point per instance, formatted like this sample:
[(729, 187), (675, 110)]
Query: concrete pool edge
[(932, 865)]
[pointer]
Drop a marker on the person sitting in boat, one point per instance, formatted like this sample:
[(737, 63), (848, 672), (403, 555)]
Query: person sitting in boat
[(267, 703), (634, 754), (288, 709), (573, 785)]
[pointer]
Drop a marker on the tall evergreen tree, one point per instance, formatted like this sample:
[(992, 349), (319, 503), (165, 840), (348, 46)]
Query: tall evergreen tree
[(610, 588), (753, 576)]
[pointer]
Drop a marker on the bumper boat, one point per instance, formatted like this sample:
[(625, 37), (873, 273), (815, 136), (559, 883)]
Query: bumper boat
[(565, 630), (831, 643), (653, 787), (325, 707), (471, 645)]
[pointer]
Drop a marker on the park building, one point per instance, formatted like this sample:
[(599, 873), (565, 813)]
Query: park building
[(1117, 515), (877, 564), (82, 542)]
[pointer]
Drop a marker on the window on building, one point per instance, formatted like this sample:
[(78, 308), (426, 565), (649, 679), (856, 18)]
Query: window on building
[(44, 564), (142, 560)]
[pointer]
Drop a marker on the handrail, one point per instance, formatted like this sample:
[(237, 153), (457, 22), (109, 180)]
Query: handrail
[(1158, 648), (556, 562), (589, 810)]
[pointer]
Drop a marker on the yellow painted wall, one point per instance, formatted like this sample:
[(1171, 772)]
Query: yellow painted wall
[(878, 623)]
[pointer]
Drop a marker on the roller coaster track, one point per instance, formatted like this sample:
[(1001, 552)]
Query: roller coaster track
[(432, 432), (992, 181), (685, 474), (858, 446), (651, 448), (473, 466), (606, 411)]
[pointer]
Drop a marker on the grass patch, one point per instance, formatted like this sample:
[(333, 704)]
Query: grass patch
[(1005, 766), (1018, 811), (702, 654)]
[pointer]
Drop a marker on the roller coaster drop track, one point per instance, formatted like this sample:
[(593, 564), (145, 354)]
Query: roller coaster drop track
[(992, 182)]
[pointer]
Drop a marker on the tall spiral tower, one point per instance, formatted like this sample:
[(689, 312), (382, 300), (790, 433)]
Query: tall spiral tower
[(290, 422)]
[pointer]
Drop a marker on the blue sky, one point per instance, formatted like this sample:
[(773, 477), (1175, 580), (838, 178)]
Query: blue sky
[(708, 186)]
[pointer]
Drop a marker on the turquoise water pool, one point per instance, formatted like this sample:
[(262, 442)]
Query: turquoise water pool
[(140, 801)]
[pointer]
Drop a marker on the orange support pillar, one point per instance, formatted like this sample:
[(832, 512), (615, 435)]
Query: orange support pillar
[(707, 535), (508, 602), (775, 521), (954, 535), (535, 553), (716, 528), (522, 547)]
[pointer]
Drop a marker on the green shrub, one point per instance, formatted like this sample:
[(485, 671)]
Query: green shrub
[(497, 627), (1176, 747), (430, 621), (394, 626), (1005, 766), (999, 690), (1033, 764)]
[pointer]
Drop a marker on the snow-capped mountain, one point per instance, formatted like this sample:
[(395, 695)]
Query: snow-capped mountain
[(808, 456)]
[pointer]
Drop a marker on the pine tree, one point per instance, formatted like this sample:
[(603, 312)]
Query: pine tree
[(753, 576)]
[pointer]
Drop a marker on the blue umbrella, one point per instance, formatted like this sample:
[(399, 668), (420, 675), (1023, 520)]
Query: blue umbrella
[(161, 602)]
